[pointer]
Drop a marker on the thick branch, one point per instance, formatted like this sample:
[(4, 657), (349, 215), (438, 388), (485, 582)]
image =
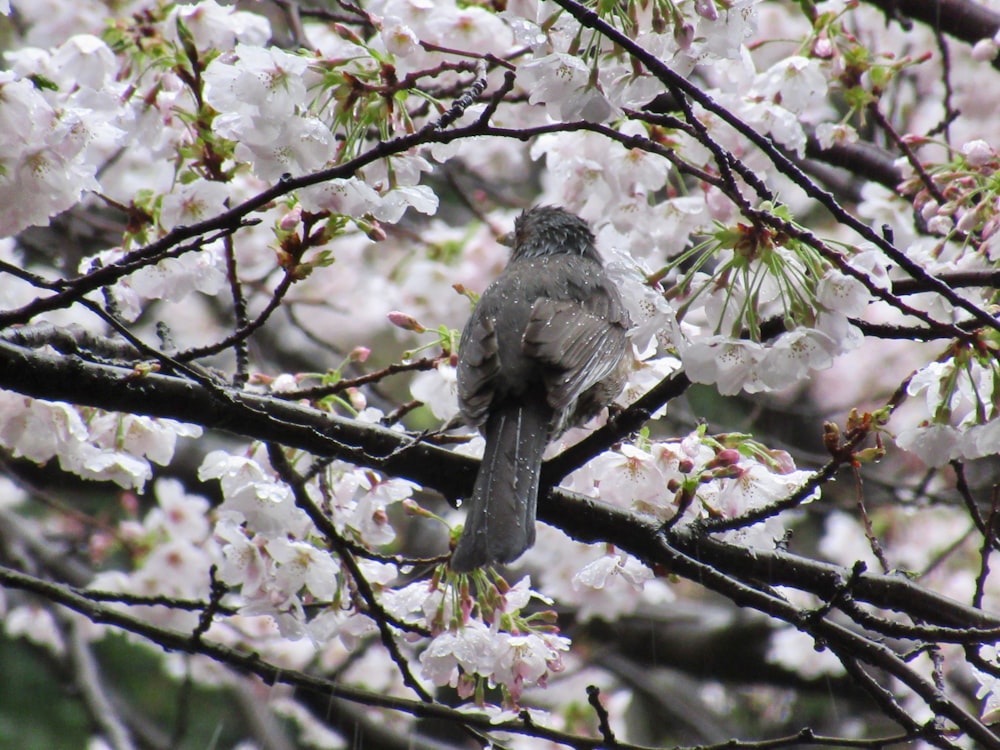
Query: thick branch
[(865, 160), (961, 19), (50, 376), (251, 663), (55, 377)]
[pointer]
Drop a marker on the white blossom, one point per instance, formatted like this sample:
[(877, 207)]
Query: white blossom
[(215, 26)]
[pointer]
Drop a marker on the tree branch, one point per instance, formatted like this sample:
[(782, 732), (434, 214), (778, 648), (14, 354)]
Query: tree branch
[(962, 19), (684, 88), (251, 663), (50, 376)]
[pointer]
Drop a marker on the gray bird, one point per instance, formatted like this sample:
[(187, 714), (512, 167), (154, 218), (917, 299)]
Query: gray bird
[(543, 351)]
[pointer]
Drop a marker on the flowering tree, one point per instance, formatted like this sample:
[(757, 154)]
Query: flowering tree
[(237, 247)]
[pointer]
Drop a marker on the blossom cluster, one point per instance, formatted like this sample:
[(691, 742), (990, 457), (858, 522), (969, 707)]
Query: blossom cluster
[(705, 477), (483, 641), (92, 444), (302, 188)]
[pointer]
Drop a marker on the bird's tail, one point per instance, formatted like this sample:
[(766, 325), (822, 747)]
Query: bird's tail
[(500, 524)]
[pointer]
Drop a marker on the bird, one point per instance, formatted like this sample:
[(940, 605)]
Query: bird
[(543, 351)]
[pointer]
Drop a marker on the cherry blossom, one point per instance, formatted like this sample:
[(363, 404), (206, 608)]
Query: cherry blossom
[(260, 500), (799, 205), (215, 26)]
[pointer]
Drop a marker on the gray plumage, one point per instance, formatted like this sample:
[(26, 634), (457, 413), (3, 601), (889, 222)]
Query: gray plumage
[(543, 351)]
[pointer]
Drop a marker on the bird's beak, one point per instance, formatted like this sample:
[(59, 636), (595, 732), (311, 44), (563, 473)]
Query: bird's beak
[(507, 239)]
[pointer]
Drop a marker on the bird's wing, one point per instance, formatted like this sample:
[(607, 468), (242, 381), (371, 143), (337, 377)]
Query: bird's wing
[(477, 368), (580, 347)]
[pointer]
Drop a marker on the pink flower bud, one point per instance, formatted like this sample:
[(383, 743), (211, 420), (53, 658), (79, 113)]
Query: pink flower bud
[(912, 139), (100, 546), (985, 50), (412, 508), (990, 227), (929, 210), (725, 457), (684, 35), (405, 321), (357, 399), (978, 153), (967, 222), (784, 464), (359, 354), (290, 220), (706, 9), (130, 503), (823, 48), (375, 232), (940, 225)]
